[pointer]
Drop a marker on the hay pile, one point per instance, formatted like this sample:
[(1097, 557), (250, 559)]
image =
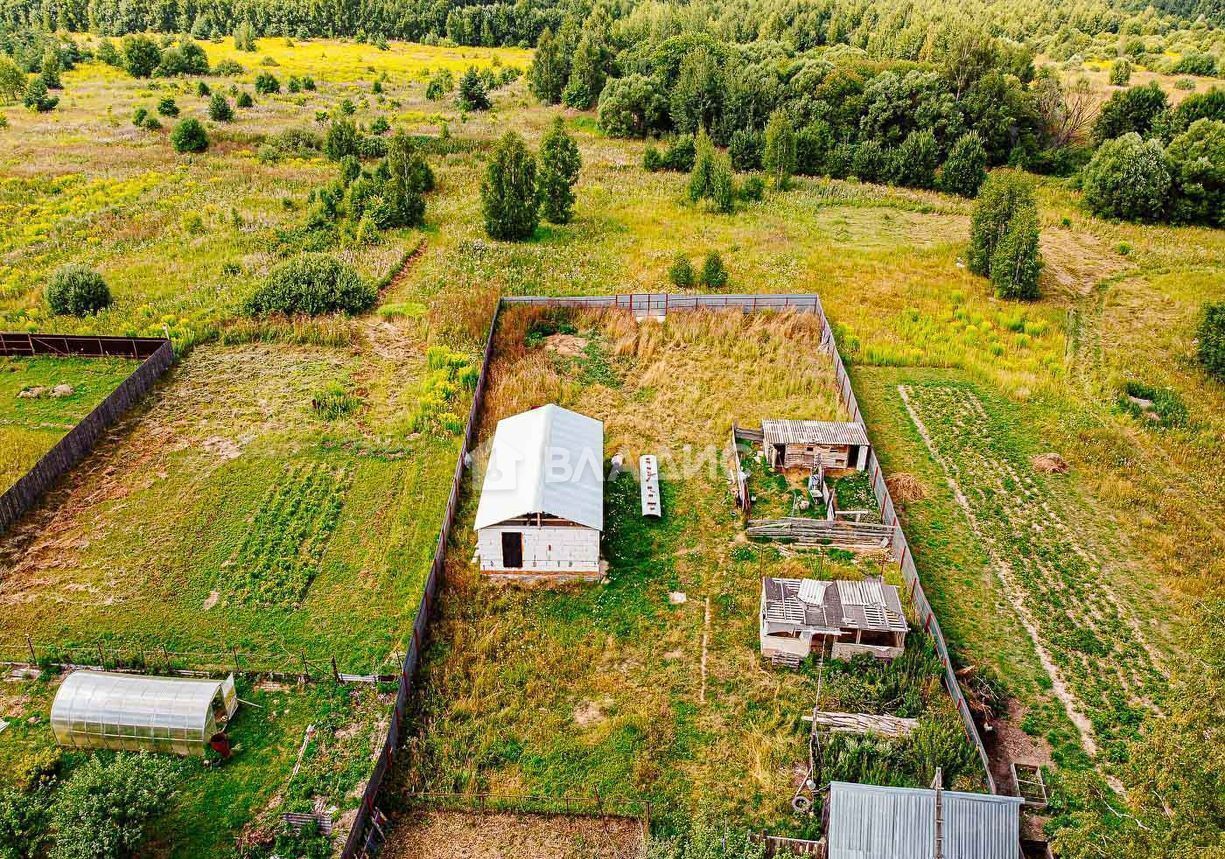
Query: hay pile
[(1050, 463), (905, 487)]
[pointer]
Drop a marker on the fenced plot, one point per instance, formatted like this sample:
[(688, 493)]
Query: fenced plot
[(53, 420), (1089, 640), (611, 688)]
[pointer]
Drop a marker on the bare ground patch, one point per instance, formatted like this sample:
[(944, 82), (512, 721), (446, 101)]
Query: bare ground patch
[(445, 835), (1076, 262)]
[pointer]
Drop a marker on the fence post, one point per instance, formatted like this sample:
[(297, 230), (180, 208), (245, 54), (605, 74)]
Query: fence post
[(101, 657), (30, 644), (336, 674), (237, 666)]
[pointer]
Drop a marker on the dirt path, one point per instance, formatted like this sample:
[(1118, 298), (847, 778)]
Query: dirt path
[(448, 835)]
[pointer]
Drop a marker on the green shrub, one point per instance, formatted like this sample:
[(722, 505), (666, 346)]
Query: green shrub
[(167, 107), (75, 290), (868, 161), (753, 188), (23, 823), (745, 150), (1015, 262), (334, 401), (341, 140), (778, 155), (244, 37), (1211, 336), (139, 116), (312, 284), (510, 200), (1196, 160), (219, 109), (189, 136), (202, 89), (714, 275), (440, 84), (380, 125), (36, 97), (141, 55), (101, 811), (1004, 192), (965, 169), (1120, 72), (916, 161), (409, 179), (266, 83), (229, 68), (244, 99), (632, 106), (51, 68), (559, 168), (1127, 178), (472, 93), (702, 174), (1160, 408), (681, 273), (1131, 110)]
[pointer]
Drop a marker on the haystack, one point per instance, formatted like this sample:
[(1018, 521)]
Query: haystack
[(1050, 463), (905, 487)]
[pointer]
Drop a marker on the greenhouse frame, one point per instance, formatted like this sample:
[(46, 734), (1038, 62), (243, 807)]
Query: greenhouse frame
[(127, 712)]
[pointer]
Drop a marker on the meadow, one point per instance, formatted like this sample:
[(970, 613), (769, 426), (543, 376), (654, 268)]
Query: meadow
[(170, 532)]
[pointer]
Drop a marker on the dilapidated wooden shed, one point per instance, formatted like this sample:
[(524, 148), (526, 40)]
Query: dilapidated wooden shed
[(807, 444), (804, 616)]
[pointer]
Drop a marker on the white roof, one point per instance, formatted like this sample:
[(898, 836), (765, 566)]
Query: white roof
[(105, 710), (550, 461)]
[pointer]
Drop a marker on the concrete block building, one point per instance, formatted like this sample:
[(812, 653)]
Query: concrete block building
[(541, 510)]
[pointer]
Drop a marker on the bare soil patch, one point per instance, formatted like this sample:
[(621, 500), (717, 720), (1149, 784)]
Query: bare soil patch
[(445, 835)]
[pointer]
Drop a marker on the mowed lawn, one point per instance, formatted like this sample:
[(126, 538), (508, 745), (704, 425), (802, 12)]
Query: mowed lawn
[(41, 399)]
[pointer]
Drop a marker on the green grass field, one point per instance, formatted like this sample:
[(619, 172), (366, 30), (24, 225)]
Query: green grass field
[(229, 512), (34, 415)]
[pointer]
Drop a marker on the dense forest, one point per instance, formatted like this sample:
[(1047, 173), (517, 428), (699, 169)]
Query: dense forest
[(899, 29)]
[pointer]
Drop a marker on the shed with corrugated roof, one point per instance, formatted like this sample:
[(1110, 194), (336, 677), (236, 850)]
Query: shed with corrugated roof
[(807, 444)]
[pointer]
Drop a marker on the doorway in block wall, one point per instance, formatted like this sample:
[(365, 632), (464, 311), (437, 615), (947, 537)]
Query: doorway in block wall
[(512, 549)]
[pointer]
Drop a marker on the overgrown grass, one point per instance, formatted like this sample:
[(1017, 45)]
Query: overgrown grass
[(616, 687)]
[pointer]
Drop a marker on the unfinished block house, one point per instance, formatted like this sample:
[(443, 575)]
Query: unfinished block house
[(542, 502), (804, 616), (809, 444)]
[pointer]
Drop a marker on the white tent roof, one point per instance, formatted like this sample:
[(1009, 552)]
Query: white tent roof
[(549, 460)]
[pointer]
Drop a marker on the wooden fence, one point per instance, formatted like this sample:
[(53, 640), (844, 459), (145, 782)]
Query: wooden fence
[(365, 830), (156, 355), (775, 844), (840, 533), (900, 549)]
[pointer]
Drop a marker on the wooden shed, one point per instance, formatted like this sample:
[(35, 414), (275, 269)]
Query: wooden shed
[(807, 444), (804, 616), (542, 501)]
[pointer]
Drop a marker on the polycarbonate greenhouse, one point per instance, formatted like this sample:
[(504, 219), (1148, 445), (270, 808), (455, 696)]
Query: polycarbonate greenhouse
[(175, 715)]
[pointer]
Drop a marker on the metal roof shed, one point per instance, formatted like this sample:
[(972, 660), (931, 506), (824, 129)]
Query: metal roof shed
[(871, 822), (127, 712)]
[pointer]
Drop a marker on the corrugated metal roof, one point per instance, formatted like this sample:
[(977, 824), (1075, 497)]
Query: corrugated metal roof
[(549, 460), (812, 432), (868, 604), (871, 822)]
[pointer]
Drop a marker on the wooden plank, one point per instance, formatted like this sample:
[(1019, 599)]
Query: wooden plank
[(648, 482)]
